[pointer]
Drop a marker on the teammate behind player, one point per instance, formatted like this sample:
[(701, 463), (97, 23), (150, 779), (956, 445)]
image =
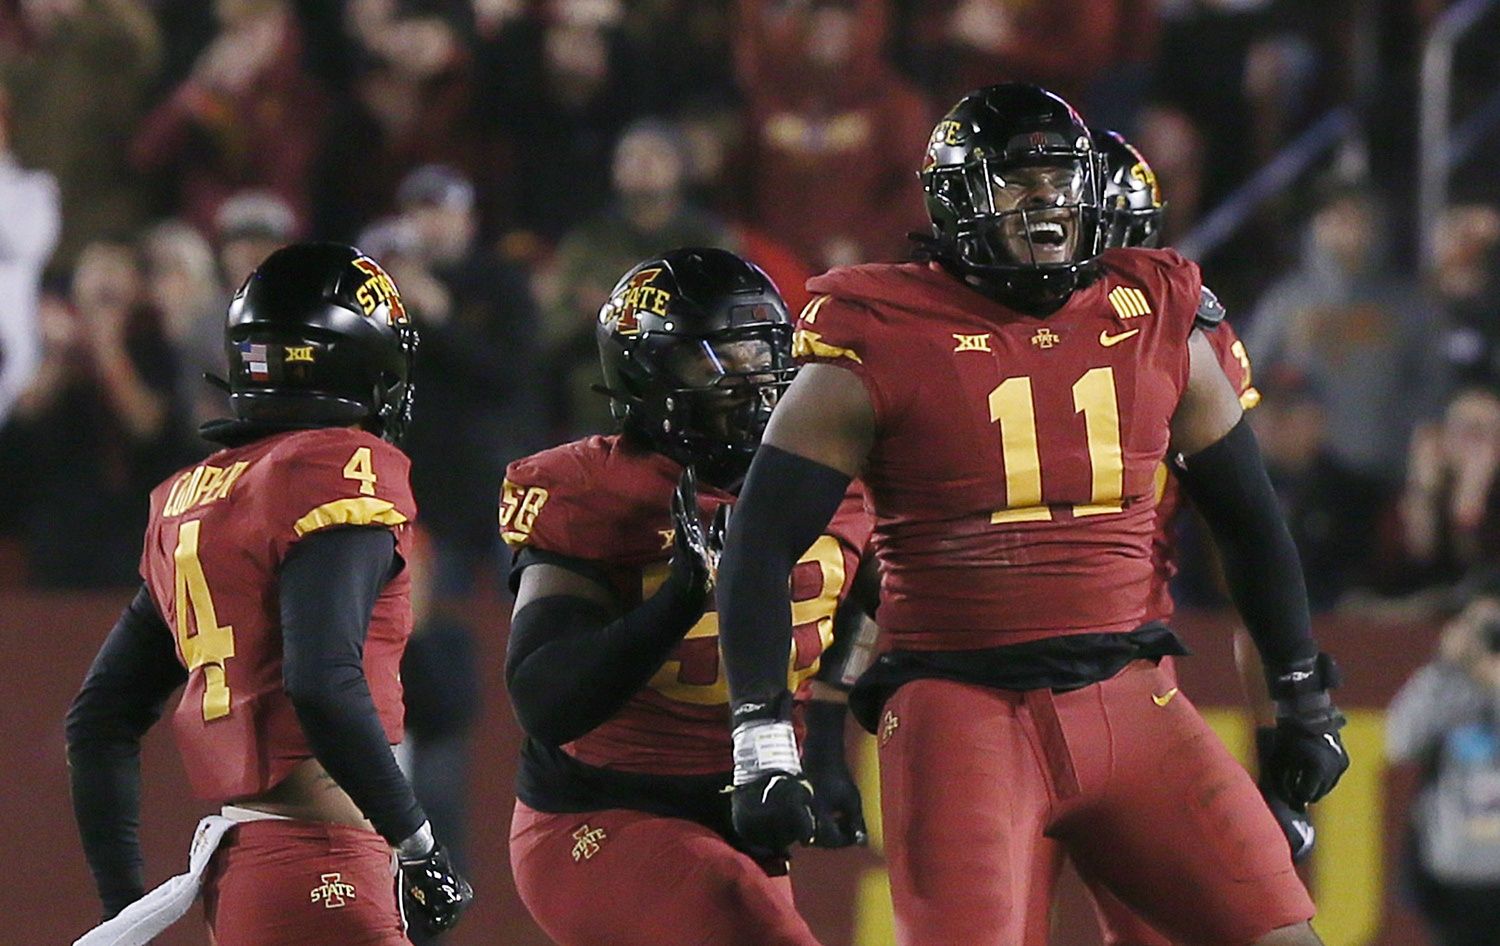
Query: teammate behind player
[(1133, 216), (622, 832), (1021, 699), (275, 589)]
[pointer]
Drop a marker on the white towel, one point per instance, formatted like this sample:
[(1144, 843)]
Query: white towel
[(142, 921)]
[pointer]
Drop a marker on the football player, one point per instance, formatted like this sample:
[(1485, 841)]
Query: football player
[(275, 589), (622, 831), (1133, 210), (1007, 405)]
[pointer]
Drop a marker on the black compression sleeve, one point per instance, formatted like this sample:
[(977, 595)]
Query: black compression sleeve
[(784, 506), (122, 696), (569, 667), (329, 583), (1230, 488)]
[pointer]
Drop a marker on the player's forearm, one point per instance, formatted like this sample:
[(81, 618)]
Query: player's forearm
[(570, 668), (121, 697), (329, 585), (786, 502), (1228, 484)]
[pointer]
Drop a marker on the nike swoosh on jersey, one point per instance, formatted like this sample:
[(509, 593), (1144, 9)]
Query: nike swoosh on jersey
[(1165, 698), (1107, 339)]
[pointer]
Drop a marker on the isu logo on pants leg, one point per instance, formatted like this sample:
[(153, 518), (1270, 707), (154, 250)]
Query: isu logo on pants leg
[(333, 892), (888, 726), (588, 842)]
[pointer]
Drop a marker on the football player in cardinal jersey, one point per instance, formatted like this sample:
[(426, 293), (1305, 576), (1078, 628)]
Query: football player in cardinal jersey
[(1007, 404), (622, 830), (275, 588), (1133, 209)]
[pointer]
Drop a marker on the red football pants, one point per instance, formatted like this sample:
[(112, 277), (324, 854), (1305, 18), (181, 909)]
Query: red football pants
[(1124, 775), (294, 883), (621, 878)]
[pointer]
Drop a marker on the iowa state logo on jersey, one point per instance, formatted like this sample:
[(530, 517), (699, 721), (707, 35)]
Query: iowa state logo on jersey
[(378, 288), (622, 313)]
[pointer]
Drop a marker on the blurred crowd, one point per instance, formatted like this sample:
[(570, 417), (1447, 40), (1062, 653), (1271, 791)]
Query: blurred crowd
[(507, 159)]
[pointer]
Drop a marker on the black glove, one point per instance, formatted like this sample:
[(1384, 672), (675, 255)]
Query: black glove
[(772, 805), (433, 891), (836, 802), (773, 811), (695, 550), (1295, 823), (1304, 757)]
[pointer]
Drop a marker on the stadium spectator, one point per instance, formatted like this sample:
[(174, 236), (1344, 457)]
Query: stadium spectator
[(182, 285), (1232, 78), (549, 86), (98, 427), (1444, 721), (246, 117), (248, 227), (649, 212), (1366, 338), (29, 221), (1464, 281), (952, 46), (826, 167), (411, 105), (58, 58), (476, 368), (1450, 511)]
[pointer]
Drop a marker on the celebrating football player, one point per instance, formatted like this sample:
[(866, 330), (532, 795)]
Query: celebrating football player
[(1007, 405), (622, 829), (275, 589)]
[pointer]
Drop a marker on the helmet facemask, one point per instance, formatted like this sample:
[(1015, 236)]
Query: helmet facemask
[(1026, 225), (706, 400)]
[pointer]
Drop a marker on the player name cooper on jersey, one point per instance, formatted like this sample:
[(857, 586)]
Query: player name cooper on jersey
[(217, 535), (605, 502), (1014, 471)]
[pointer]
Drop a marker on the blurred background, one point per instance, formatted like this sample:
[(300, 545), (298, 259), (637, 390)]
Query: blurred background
[(1332, 164)]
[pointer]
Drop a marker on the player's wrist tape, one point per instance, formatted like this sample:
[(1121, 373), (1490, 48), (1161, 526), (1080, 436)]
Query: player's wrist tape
[(1300, 689), (763, 746), (418, 845)]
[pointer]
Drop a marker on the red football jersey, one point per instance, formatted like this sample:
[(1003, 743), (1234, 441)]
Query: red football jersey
[(1013, 477), (1236, 364), (218, 534), (604, 501)]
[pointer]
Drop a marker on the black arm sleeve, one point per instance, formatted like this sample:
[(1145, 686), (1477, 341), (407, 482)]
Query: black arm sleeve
[(122, 696), (784, 506), (1229, 486), (569, 667), (329, 583)]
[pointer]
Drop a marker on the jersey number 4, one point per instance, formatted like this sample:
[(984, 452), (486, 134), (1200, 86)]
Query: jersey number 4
[(1012, 407), (204, 642)]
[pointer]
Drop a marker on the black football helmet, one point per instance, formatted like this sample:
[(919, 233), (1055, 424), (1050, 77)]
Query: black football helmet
[(317, 337), (696, 347), (1015, 189), (1132, 198)]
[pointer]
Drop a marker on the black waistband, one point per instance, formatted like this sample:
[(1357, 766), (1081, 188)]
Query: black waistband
[(552, 781), (1054, 663)]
